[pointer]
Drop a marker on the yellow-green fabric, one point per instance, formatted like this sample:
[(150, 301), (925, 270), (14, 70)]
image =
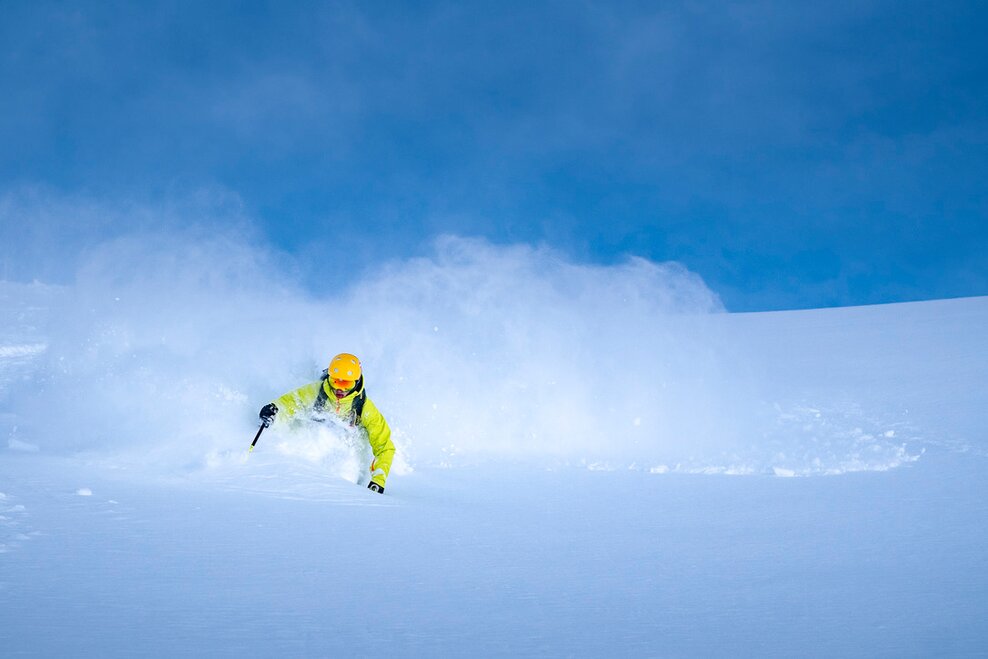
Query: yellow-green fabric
[(371, 420)]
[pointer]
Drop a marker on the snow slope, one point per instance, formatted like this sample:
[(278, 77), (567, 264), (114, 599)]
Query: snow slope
[(546, 501)]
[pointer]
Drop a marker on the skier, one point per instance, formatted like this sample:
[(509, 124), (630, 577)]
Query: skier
[(341, 393)]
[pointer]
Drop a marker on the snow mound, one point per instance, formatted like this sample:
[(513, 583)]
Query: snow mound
[(166, 349)]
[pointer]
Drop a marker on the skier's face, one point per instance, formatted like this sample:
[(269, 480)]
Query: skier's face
[(341, 387)]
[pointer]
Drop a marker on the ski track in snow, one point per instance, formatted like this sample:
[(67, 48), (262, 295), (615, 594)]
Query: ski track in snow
[(286, 477), (22, 351)]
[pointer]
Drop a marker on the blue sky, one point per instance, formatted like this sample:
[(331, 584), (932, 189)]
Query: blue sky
[(792, 154)]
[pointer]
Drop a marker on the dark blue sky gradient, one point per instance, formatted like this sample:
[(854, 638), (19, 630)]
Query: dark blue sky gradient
[(793, 154)]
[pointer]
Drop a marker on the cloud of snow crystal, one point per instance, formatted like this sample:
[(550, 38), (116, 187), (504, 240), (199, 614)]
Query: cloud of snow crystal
[(166, 345)]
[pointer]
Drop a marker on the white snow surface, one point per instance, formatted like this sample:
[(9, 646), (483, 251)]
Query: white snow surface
[(593, 461)]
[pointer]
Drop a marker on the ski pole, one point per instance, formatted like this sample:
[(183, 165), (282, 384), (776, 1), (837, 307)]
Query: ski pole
[(256, 437)]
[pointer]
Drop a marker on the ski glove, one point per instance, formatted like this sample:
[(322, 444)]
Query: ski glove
[(267, 414), (374, 487)]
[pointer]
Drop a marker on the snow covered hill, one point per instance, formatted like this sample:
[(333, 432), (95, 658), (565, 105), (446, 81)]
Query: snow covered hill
[(593, 462)]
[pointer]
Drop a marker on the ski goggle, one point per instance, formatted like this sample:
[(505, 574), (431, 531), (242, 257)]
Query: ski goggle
[(341, 384)]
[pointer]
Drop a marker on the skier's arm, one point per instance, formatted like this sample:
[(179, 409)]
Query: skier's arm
[(293, 402), (379, 435)]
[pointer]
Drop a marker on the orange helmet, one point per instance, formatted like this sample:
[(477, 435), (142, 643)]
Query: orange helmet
[(344, 370)]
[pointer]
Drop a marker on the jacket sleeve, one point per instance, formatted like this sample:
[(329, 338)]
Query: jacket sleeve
[(300, 399), (379, 435)]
